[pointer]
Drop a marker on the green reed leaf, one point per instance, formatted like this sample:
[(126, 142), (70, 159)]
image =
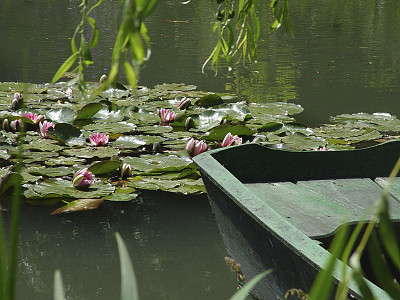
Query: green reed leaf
[(129, 289), (65, 67)]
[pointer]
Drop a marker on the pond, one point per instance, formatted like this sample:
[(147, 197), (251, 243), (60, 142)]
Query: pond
[(344, 59)]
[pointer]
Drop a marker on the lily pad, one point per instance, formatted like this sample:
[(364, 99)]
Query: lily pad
[(67, 134), (218, 133), (91, 152), (135, 141), (79, 205), (209, 100), (88, 111), (50, 172), (301, 141), (122, 194), (104, 167), (61, 115), (61, 188), (208, 119), (111, 127)]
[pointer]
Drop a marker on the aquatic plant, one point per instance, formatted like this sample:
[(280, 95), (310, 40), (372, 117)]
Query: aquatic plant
[(230, 140), (17, 101), (83, 179), (132, 44), (195, 147), (16, 125), (98, 139), (184, 103), (44, 127), (34, 117), (166, 115)]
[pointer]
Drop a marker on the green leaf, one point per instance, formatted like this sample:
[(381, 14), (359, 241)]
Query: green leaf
[(79, 205), (323, 283), (129, 288), (88, 111), (58, 286), (218, 133), (61, 115), (130, 74), (95, 34), (209, 100), (67, 134), (246, 289), (65, 67), (104, 167)]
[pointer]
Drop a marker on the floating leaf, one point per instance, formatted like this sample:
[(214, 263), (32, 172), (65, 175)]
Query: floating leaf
[(79, 205), (104, 167), (61, 188), (208, 119), (91, 152), (61, 115), (209, 100), (67, 134), (135, 141), (88, 111), (218, 133), (50, 172), (110, 127), (301, 141)]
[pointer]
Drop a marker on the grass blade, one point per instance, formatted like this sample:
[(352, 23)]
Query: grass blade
[(243, 292), (323, 283), (129, 289), (58, 286)]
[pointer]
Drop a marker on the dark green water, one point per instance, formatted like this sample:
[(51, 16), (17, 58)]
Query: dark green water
[(345, 58), (174, 243)]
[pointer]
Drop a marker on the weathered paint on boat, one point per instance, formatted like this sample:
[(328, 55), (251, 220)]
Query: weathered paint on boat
[(272, 206)]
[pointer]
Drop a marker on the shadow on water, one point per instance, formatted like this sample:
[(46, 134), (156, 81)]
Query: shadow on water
[(174, 243)]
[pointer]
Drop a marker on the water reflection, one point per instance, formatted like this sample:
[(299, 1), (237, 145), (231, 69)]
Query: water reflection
[(344, 57), (174, 242)]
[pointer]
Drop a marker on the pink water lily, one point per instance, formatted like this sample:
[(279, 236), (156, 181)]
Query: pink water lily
[(44, 127), (83, 179), (34, 117), (195, 147), (166, 115), (98, 139), (230, 140)]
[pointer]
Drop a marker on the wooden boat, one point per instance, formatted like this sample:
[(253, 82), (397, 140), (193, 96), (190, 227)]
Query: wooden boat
[(278, 209)]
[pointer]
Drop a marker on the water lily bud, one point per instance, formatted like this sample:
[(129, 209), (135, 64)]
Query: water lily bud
[(126, 170), (17, 102), (157, 148), (189, 123), (16, 125), (102, 78), (83, 179), (15, 105), (184, 103), (6, 125)]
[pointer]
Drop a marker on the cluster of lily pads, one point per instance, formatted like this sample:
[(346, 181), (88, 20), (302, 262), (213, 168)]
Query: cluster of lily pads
[(83, 149)]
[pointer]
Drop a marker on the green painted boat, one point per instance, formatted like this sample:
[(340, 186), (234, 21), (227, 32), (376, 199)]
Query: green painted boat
[(280, 209)]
